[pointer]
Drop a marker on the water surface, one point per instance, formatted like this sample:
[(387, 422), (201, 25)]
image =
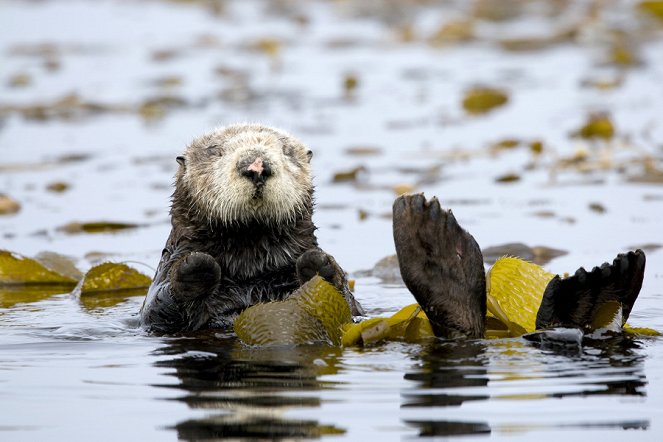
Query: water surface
[(103, 95)]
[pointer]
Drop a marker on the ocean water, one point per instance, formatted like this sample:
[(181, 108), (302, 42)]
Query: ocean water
[(102, 96)]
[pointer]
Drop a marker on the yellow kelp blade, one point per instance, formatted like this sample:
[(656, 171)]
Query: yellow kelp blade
[(18, 270), (514, 291), (409, 324), (321, 300), (314, 313), (640, 331)]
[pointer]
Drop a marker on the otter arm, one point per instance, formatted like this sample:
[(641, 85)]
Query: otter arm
[(183, 281)]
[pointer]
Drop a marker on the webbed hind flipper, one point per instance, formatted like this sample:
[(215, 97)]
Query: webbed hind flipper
[(441, 265), (576, 301)]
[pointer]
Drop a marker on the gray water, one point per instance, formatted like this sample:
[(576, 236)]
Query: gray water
[(78, 371)]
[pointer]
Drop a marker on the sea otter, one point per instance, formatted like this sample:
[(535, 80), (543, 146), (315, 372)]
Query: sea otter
[(241, 233)]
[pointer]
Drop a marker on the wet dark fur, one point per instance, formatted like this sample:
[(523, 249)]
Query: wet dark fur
[(441, 265), (210, 272)]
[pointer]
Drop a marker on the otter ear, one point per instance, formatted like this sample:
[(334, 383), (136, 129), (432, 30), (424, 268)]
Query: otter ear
[(309, 154), (180, 160)]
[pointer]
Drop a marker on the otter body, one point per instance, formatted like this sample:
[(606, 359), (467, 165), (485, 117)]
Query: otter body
[(241, 233)]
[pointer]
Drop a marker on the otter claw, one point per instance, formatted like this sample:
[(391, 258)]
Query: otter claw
[(418, 202), (434, 209)]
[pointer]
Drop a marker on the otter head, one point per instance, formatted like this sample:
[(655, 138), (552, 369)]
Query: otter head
[(247, 173)]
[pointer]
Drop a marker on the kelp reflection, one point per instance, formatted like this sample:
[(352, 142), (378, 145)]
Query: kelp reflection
[(252, 389)]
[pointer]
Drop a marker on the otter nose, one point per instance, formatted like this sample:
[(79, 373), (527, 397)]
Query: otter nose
[(258, 171)]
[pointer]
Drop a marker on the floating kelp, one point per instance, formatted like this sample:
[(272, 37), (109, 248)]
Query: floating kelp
[(96, 227), (60, 264), (268, 46), (654, 8), (623, 54), (21, 79), (108, 284), (157, 107), (16, 269), (23, 279), (514, 291), (537, 43), (57, 187), (450, 32), (481, 100), (112, 277), (350, 85), (68, 107), (409, 324), (597, 208), (651, 172), (313, 314), (598, 125), (508, 178), (8, 205), (349, 175)]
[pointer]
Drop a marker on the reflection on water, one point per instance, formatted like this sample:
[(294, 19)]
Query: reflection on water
[(450, 366), (452, 374), (252, 389), (256, 393)]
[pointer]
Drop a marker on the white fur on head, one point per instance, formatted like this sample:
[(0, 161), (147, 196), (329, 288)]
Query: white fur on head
[(220, 191)]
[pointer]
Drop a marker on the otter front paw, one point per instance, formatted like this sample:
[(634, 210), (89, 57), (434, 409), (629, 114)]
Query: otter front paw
[(194, 275), (441, 265), (316, 262)]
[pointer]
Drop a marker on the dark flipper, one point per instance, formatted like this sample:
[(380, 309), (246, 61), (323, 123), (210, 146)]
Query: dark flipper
[(574, 301), (316, 262), (441, 265)]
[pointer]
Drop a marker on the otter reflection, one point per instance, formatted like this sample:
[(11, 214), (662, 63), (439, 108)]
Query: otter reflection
[(251, 389), (448, 365), (450, 374)]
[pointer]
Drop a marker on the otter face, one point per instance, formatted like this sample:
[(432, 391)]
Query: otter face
[(246, 173)]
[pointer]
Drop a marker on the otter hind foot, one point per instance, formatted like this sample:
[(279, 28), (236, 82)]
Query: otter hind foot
[(195, 275), (576, 300), (441, 265)]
